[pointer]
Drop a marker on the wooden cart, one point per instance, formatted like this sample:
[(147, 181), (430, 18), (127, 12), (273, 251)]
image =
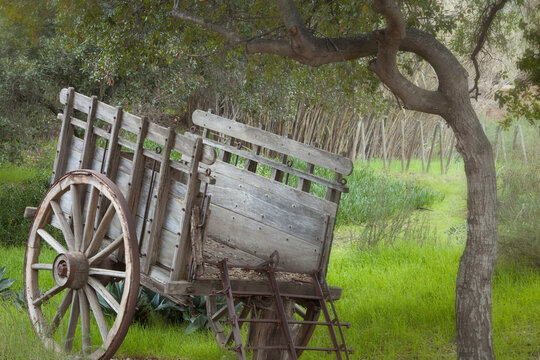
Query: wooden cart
[(133, 203)]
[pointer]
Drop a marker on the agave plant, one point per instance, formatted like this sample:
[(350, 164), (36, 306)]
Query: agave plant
[(5, 284)]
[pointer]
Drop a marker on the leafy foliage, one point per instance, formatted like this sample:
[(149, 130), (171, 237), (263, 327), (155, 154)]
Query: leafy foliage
[(375, 196), (6, 293), (524, 98), (519, 211), (17, 196), (151, 304)]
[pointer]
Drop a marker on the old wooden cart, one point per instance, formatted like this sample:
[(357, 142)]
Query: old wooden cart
[(135, 203)]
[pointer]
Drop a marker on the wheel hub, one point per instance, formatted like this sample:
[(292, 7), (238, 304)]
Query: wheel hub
[(70, 270)]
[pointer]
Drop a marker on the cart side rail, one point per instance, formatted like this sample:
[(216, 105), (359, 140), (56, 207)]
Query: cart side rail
[(261, 204)]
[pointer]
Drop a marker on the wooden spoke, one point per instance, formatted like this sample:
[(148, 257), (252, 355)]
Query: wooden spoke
[(64, 225), (106, 295), (77, 216), (98, 313), (101, 231), (82, 294), (106, 251), (61, 311), (38, 266), (47, 295), (85, 321), (51, 241), (90, 218), (72, 324), (107, 272)]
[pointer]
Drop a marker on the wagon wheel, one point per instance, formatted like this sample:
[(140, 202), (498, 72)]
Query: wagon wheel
[(69, 268), (303, 310)]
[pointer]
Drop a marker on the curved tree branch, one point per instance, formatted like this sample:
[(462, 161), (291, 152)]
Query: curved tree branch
[(223, 31), (488, 15)]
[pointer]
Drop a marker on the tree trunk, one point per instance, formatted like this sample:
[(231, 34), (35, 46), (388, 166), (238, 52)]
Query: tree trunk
[(474, 279)]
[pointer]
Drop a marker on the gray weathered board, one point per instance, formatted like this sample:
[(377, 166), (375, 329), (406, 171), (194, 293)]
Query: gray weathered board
[(257, 214)]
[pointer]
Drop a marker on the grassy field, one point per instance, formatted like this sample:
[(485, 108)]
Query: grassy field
[(399, 296)]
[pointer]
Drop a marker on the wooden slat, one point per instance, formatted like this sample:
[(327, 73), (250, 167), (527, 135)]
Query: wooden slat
[(271, 209), (276, 174), (137, 168), (274, 142), (66, 133), (132, 123), (89, 144), (113, 153), (182, 255), (251, 165), (304, 184), (158, 217), (284, 168), (334, 195), (261, 240), (205, 287), (275, 188)]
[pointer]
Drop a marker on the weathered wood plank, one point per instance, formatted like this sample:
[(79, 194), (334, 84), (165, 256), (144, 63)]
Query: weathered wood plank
[(182, 255), (205, 287), (66, 133), (261, 240), (132, 124), (89, 144), (158, 217), (274, 142), (279, 166), (137, 168), (113, 152), (268, 208), (277, 189)]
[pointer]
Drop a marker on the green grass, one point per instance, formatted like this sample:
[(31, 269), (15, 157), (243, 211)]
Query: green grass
[(399, 299)]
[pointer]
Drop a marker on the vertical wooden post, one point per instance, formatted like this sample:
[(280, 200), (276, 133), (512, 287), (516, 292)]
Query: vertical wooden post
[(450, 153), (251, 165), (303, 184), (411, 146), (363, 139), (66, 135), (182, 255), (161, 202), (354, 152), (113, 154), (422, 146), (402, 145), (276, 174), (383, 137), (89, 143), (432, 147), (441, 137), (522, 144), (137, 168), (503, 147), (496, 143), (514, 143)]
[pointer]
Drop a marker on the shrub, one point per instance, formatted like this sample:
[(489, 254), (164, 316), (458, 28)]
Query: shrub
[(519, 211), (373, 197), (16, 193)]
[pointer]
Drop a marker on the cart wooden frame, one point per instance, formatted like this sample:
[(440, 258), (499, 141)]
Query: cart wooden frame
[(136, 201)]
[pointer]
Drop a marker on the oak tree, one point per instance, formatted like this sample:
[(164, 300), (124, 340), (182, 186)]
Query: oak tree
[(450, 100)]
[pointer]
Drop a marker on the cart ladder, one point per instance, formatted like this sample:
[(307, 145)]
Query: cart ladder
[(322, 296)]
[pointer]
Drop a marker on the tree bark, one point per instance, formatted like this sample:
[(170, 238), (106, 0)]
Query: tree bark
[(474, 279)]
